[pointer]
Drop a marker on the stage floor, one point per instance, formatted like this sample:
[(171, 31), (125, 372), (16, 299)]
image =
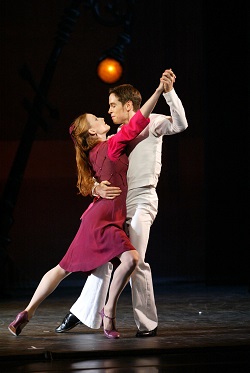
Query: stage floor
[(201, 329)]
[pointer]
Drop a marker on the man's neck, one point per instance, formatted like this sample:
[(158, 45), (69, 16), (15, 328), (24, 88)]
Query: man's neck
[(130, 115)]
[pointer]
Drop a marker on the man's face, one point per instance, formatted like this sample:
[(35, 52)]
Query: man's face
[(118, 112)]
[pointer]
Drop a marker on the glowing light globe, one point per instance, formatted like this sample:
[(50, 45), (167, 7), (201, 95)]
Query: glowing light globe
[(109, 70)]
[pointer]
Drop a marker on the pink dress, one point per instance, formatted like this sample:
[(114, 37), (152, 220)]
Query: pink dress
[(101, 237)]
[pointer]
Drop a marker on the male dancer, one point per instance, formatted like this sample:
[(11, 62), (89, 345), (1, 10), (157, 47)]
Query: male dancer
[(142, 206)]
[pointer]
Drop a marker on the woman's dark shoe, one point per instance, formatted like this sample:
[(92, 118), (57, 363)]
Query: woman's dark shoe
[(19, 323), (112, 334)]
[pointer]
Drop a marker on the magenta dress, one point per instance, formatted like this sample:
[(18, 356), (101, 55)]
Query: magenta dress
[(101, 237)]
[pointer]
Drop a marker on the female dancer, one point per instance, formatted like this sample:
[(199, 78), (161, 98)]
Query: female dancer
[(100, 237)]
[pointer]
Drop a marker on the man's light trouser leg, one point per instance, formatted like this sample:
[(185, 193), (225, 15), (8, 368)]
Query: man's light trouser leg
[(140, 218), (93, 297)]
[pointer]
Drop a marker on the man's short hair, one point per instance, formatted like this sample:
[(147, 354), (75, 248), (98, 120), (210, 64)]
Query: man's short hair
[(125, 93)]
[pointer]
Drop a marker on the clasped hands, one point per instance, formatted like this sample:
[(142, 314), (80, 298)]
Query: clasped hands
[(168, 79)]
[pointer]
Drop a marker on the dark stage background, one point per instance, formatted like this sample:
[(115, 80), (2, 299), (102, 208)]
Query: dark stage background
[(201, 230)]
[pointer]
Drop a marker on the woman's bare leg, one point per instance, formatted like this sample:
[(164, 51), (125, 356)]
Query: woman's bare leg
[(47, 285), (129, 260)]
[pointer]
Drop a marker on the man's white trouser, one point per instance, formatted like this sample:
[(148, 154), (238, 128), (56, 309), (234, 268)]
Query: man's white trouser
[(142, 205)]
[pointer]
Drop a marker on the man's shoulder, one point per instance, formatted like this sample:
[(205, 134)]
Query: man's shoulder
[(155, 115)]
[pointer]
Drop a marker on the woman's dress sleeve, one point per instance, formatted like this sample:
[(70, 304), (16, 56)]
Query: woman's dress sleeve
[(128, 132)]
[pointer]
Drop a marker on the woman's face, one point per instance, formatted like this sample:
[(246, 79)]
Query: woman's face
[(97, 126)]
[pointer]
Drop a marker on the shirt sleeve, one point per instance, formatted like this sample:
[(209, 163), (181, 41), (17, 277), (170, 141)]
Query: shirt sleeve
[(128, 132), (169, 125)]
